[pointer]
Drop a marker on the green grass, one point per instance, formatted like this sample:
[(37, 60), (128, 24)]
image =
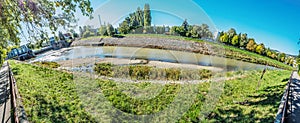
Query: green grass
[(49, 95), (244, 55), (47, 64), (94, 37), (53, 96)]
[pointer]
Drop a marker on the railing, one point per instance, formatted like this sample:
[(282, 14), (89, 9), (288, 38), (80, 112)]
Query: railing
[(13, 96), (286, 102), (18, 112)]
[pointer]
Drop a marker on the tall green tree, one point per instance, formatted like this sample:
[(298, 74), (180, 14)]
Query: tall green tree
[(110, 30), (103, 30), (185, 25), (124, 27), (281, 57), (243, 40), (139, 15), (260, 49), (231, 33), (235, 40), (224, 38), (147, 15)]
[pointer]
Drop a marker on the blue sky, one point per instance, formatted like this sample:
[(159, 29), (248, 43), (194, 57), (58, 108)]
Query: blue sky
[(272, 22)]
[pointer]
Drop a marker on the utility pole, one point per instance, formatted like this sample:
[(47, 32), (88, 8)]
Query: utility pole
[(100, 20)]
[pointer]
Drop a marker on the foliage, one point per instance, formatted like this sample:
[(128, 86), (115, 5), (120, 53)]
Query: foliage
[(49, 95), (260, 49), (47, 64), (110, 30), (244, 40), (124, 27), (139, 72), (251, 46), (235, 40), (37, 16), (137, 21), (104, 69), (224, 38), (147, 15)]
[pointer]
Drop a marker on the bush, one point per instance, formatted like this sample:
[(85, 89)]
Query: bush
[(139, 72), (205, 74), (172, 74), (104, 69)]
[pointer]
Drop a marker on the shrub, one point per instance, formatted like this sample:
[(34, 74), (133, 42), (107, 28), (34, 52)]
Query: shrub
[(139, 72), (172, 74), (205, 74), (104, 69)]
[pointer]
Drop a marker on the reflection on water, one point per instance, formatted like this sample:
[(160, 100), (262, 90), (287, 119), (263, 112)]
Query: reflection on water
[(151, 54)]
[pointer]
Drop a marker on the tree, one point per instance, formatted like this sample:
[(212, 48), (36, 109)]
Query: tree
[(185, 25), (205, 32), (224, 38), (30, 18), (231, 33), (195, 32), (281, 57), (260, 49), (124, 27), (110, 30), (235, 40), (251, 45), (147, 15), (243, 40), (103, 30), (139, 15)]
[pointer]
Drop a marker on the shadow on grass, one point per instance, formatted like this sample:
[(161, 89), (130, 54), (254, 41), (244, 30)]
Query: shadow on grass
[(236, 115), (269, 96), (56, 112)]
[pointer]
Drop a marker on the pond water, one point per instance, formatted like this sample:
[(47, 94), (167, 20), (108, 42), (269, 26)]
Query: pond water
[(150, 54)]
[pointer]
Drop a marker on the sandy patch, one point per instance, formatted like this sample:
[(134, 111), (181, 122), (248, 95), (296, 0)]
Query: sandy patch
[(121, 61)]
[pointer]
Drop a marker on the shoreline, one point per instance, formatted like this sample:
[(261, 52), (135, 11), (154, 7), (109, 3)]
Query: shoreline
[(123, 61)]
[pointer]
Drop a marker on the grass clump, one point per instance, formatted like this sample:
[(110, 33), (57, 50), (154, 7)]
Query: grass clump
[(104, 69), (139, 72), (47, 64)]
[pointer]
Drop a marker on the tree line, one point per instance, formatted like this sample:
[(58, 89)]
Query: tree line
[(242, 41)]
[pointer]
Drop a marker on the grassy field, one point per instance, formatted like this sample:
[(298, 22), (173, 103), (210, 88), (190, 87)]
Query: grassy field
[(53, 96)]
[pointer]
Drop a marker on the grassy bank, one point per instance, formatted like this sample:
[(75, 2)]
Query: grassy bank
[(53, 96), (48, 95), (230, 51)]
